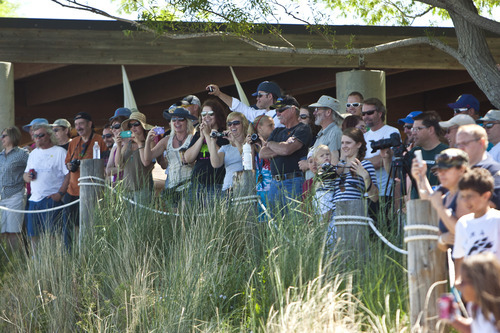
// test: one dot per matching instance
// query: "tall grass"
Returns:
(211, 269)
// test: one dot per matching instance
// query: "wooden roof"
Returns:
(62, 67)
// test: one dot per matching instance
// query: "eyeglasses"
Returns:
(174, 119)
(4, 135)
(136, 124)
(354, 105)
(408, 127)
(418, 128)
(116, 126)
(459, 110)
(235, 123)
(304, 116)
(107, 136)
(489, 125)
(320, 109)
(369, 112)
(259, 95)
(207, 113)
(465, 143)
(38, 136)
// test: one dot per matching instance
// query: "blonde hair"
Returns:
(190, 127)
(244, 121)
(318, 149)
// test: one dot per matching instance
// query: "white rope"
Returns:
(420, 238)
(354, 217)
(365, 224)
(245, 198)
(148, 208)
(421, 227)
(40, 210)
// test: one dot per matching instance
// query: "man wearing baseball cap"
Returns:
(466, 104)
(491, 123)
(80, 148)
(267, 94)
(407, 123)
(62, 129)
(451, 126)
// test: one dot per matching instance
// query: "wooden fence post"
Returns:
(426, 263)
(89, 194)
(352, 234)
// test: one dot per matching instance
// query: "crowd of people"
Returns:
(321, 152)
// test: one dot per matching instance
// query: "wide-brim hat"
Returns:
(492, 115)
(35, 121)
(178, 113)
(140, 117)
(458, 120)
(327, 102)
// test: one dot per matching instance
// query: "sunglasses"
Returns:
(408, 127)
(369, 113)
(136, 124)
(304, 116)
(259, 95)
(235, 123)
(207, 113)
(174, 119)
(38, 136)
(107, 136)
(458, 110)
(284, 108)
(354, 105)
(489, 125)
(116, 126)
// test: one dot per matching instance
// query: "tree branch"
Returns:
(469, 15)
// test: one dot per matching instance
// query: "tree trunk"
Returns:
(476, 55)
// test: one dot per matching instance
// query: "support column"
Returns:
(368, 83)
(7, 116)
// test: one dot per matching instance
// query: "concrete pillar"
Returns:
(368, 83)
(7, 116)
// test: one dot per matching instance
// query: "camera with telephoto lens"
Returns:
(328, 171)
(394, 142)
(216, 134)
(255, 138)
(74, 165)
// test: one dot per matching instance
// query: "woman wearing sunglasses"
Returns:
(207, 179)
(230, 155)
(137, 177)
(175, 145)
(111, 168)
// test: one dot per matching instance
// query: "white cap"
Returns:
(458, 120)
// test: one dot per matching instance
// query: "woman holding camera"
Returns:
(137, 177)
(230, 155)
(175, 144)
(356, 176)
(207, 179)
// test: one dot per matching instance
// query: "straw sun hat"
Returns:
(136, 116)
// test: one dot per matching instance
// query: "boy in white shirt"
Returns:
(478, 231)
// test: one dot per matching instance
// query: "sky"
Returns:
(49, 9)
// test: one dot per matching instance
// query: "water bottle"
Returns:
(97, 151)
(247, 157)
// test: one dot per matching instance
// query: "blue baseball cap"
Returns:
(125, 112)
(269, 87)
(465, 101)
(409, 118)
(35, 121)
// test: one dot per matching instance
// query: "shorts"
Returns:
(12, 222)
(44, 222)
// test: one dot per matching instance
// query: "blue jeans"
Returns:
(281, 192)
(44, 222)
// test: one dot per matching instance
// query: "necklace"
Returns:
(180, 141)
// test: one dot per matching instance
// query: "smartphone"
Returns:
(126, 134)
(158, 130)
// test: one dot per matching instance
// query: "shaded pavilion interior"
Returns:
(62, 67)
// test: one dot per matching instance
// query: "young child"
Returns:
(478, 231)
(307, 187)
(324, 182)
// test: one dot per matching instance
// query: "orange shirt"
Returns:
(75, 149)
